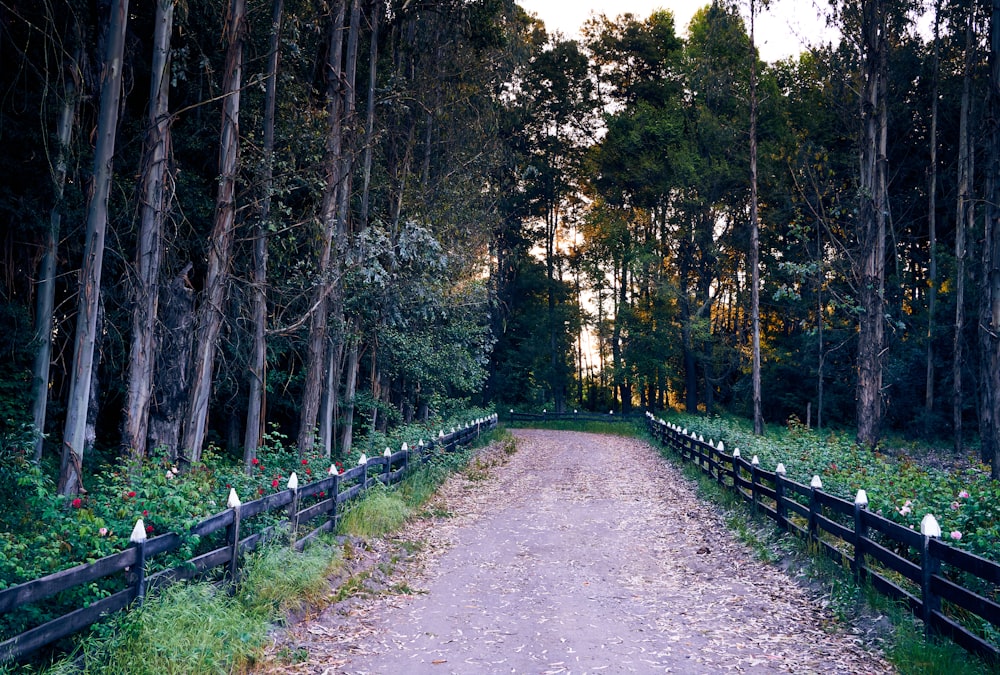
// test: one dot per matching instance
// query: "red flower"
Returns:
(304, 462)
(274, 483)
(145, 513)
(130, 494)
(149, 529)
(255, 461)
(228, 486)
(260, 491)
(321, 495)
(309, 472)
(77, 503)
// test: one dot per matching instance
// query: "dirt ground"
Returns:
(579, 553)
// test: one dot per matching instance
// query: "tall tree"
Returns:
(932, 181)
(211, 310)
(153, 211)
(317, 346)
(989, 324)
(88, 303)
(758, 417)
(46, 289)
(964, 214)
(254, 431)
(870, 266)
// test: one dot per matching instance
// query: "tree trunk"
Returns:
(369, 143)
(758, 418)
(350, 390)
(932, 281)
(153, 211)
(210, 313)
(871, 226)
(316, 351)
(173, 358)
(253, 435)
(989, 325)
(46, 290)
(93, 255)
(963, 221)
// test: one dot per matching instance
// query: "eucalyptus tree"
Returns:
(210, 313)
(989, 308)
(88, 304)
(154, 207)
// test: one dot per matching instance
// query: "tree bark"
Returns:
(45, 293)
(172, 374)
(932, 281)
(963, 222)
(154, 207)
(870, 273)
(253, 434)
(210, 312)
(93, 255)
(350, 391)
(758, 417)
(316, 350)
(989, 325)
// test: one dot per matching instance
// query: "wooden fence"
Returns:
(955, 592)
(314, 506)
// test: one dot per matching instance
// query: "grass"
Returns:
(626, 427)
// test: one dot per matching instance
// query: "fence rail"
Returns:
(953, 591)
(331, 493)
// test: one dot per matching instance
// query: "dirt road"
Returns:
(581, 554)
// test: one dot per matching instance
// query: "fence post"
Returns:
(929, 566)
(736, 469)
(754, 465)
(334, 492)
(363, 461)
(860, 532)
(816, 484)
(138, 539)
(779, 496)
(233, 535)
(293, 509)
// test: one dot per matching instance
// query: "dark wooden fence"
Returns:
(306, 512)
(955, 592)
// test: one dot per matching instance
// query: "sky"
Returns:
(781, 30)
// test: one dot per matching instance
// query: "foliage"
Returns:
(966, 503)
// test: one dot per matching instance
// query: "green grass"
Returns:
(611, 428)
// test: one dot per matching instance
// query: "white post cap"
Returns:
(333, 470)
(736, 453)
(755, 460)
(404, 447)
(387, 453)
(722, 446)
(234, 500)
(816, 482)
(293, 482)
(929, 527)
(780, 469)
(363, 459)
(138, 533)
(861, 499)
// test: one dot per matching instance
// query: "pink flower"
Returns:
(905, 511)
(956, 535)
(103, 532)
(77, 503)
(963, 494)
(955, 506)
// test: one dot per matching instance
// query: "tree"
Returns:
(989, 324)
(88, 304)
(154, 208)
(211, 310)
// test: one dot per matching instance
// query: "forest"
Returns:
(328, 218)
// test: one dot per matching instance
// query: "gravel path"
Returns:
(579, 554)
